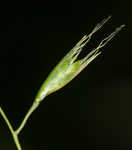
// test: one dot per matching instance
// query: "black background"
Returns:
(92, 112)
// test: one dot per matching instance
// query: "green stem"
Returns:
(31, 110)
(14, 135)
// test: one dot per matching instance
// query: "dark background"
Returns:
(94, 111)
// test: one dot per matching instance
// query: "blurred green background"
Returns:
(93, 111)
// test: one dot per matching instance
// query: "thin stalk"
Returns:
(30, 111)
(14, 135)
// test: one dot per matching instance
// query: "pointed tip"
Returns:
(110, 16)
(99, 25)
(106, 19)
